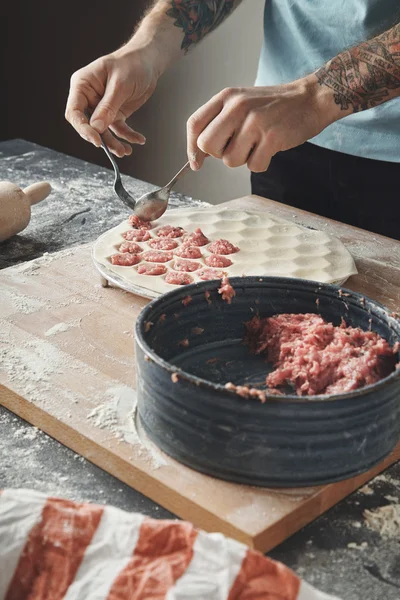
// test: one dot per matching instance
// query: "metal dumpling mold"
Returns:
(269, 246)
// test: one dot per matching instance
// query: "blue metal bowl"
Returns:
(289, 441)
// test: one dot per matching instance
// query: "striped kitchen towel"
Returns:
(53, 549)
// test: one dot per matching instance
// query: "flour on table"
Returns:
(117, 414)
(385, 520)
(61, 327)
(22, 303)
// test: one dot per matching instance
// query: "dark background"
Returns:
(41, 45)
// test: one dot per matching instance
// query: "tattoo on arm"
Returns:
(366, 75)
(198, 17)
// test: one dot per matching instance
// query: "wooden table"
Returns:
(319, 552)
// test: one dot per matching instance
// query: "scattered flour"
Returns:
(21, 303)
(32, 365)
(355, 546)
(60, 327)
(367, 490)
(118, 414)
(385, 520)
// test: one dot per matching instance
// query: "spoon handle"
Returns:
(178, 176)
(112, 160)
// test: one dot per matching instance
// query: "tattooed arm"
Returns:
(366, 75)
(250, 125)
(116, 85)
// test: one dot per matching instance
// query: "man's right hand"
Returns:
(110, 89)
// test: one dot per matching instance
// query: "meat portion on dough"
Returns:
(137, 235)
(152, 269)
(188, 251)
(138, 223)
(209, 274)
(187, 266)
(125, 260)
(197, 238)
(163, 244)
(130, 247)
(217, 261)
(157, 257)
(178, 278)
(223, 247)
(170, 232)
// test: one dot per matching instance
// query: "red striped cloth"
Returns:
(53, 549)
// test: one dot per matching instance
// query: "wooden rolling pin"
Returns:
(15, 206)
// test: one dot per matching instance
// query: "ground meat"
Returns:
(151, 269)
(178, 278)
(316, 357)
(223, 247)
(184, 343)
(137, 235)
(247, 392)
(174, 378)
(187, 300)
(148, 325)
(163, 244)
(138, 223)
(170, 232)
(187, 251)
(197, 330)
(208, 274)
(226, 290)
(125, 260)
(197, 238)
(130, 247)
(214, 260)
(207, 296)
(187, 266)
(157, 257)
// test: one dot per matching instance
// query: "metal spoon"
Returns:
(153, 204)
(119, 189)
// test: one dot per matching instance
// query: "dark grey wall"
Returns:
(41, 45)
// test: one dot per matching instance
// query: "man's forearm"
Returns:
(172, 27)
(364, 76)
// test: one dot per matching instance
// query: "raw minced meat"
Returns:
(131, 247)
(163, 244)
(187, 266)
(138, 223)
(223, 247)
(317, 357)
(226, 290)
(217, 261)
(157, 257)
(187, 300)
(197, 238)
(178, 278)
(188, 251)
(209, 274)
(170, 232)
(152, 269)
(137, 235)
(125, 260)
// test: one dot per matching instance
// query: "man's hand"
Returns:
(249, 125)
(112, 88)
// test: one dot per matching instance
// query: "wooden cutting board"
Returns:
(67, 367)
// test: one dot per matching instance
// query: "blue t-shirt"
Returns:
(302, 35)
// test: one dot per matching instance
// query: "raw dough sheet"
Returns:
(268, 246)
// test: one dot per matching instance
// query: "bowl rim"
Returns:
(213, 285)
